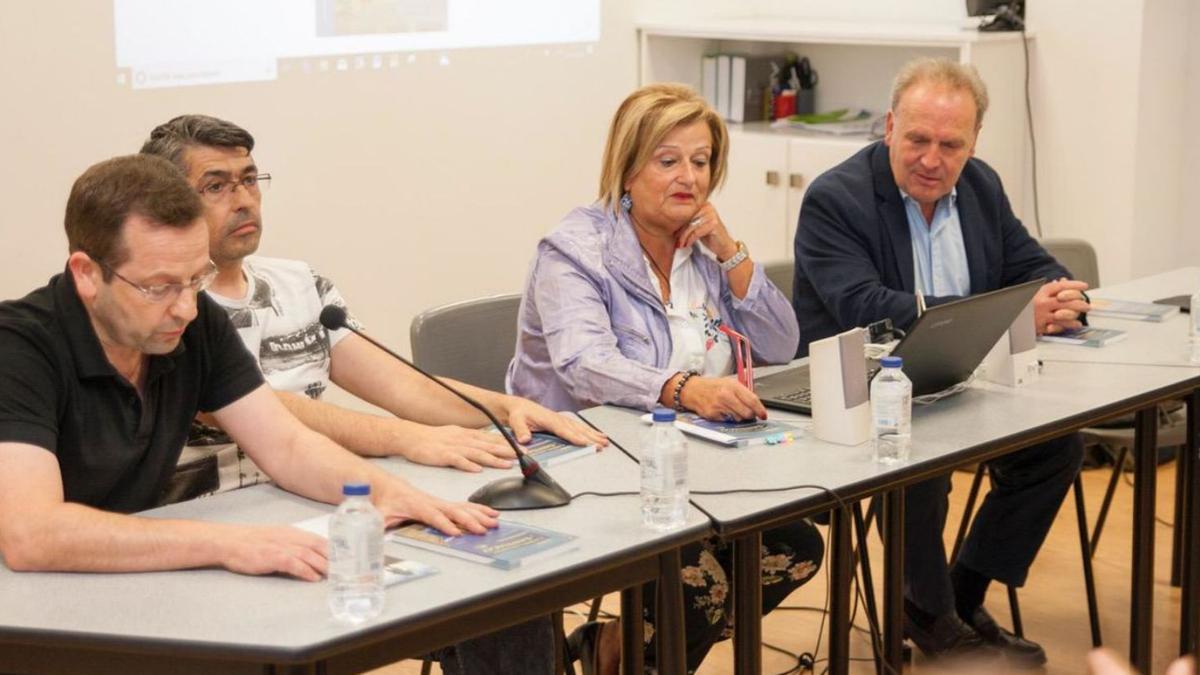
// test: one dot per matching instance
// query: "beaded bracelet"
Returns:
(687, 375)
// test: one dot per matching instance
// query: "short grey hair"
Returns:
(960, 76)
(170, 139)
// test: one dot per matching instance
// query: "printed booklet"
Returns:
(507, 546)
(735, 434)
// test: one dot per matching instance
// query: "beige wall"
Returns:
(409, 188)
(432, 183)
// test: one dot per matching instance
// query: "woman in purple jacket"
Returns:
(624, 304)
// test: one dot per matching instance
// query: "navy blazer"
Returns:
(853, 250)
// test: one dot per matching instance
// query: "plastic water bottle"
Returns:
(1194, 323)
(356, 557)
(891, 411)
(664, 473)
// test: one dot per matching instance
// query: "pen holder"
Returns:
(806, 101)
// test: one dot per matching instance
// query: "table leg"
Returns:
(1141, 610)
(1189, 622)
(840, 578)
(868, 584)
(672, 646)
(893, 580)
(747, 604)
(633, 642)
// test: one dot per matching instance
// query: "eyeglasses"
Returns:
(157, 293)
(221, 190)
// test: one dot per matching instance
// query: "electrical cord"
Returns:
(1037, 215)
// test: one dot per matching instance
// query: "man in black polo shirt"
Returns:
(101, 373)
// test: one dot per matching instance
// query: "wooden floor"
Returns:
(1053, 604)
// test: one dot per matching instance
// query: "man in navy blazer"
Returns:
(916, 212)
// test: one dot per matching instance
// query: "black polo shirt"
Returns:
(58, 391)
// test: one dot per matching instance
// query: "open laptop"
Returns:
(942, 348)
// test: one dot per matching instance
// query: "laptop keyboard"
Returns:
(803, 397)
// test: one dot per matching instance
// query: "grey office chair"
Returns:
(781, 273)
(1076, 255)
(473, 342)
(470, 341)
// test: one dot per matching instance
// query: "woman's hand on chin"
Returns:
(707, 227)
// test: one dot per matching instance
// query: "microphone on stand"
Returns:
(534, 489)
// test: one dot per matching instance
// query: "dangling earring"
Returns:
(626, 201)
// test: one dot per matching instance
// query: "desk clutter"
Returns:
(756, 88)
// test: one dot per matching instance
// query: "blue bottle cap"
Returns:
(356, 489)
(891, 362)
(664, 415)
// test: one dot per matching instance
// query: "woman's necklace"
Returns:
(658, 271)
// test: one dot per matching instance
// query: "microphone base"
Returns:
(517, 493)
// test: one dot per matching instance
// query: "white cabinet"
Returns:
(769, 169)
(768, 173)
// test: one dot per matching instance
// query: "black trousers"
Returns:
(1009, 527)
(791, 555)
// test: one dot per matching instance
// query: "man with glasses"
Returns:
(275, 304)
(101, 373)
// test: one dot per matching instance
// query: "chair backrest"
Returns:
(781, 273)
(1076, 255)
(470, 341)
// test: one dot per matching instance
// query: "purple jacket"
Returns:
(592, 328)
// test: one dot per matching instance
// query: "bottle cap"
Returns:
(891, 362)
(664, 415)
(356, 489)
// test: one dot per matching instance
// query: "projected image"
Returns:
(364, 17)
(174, 44)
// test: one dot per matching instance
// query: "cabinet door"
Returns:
(753, 201)
(808, 158)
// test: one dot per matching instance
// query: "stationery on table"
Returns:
(1088, 336)
(396, 570)
(742, 357)
(735, 434)
(549, 449)
(508, 546)
(1128, 309)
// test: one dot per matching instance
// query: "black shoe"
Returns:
(1020, 652)
(946, 636)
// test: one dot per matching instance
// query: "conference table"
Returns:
(199, 620)
(211, 620)
(984, 422)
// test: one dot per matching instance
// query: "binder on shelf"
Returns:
(708, 80)
(750, 80)
(723, 75)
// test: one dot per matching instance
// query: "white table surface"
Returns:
(952, 430)
(246, 615)
(1147, 343)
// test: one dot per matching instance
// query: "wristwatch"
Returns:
(737, 258)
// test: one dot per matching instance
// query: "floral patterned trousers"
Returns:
(791, 555)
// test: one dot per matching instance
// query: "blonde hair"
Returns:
(959, 76)
(641, 123)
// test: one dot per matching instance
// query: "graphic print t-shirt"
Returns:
(279, 321)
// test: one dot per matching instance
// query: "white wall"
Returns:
(1085, 71)
(1113, 86)
(432, 183)
(410, 188)
(1188, 138)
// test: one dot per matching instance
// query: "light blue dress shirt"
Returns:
(939, 255)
